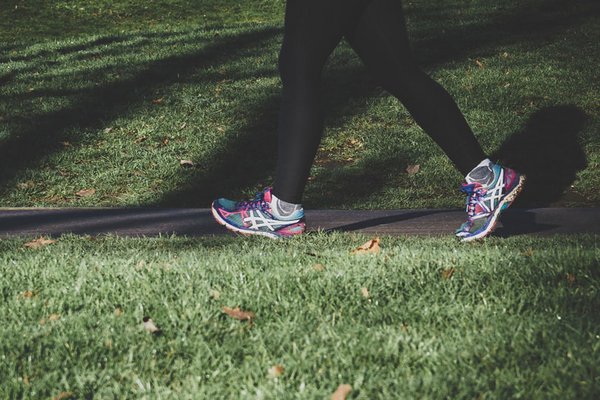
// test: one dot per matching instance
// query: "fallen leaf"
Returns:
(27, 294)
(140, 139)
(63, 396)
(447, 273)
(54, 317)
(158, 101)
(571, 279)
(413, 169)
(341, 392)
(528, 252)
(118, 311)
(86, 192)
(372, 246)
(186, 163)
(150, 326)
(108, 130)
(319, 267)
(214, 294)
(165, 141)
(26, 185)
(365, 292)
(26, 380)
(39, 242)
(276, 371)
(238, 314)
(479, 64)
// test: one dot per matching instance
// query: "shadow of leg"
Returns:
(548, 152)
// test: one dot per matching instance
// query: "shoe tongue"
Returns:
(470, 187)
(267, 195)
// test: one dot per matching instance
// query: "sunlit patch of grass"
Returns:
(502, 318)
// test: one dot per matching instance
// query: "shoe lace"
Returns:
(474, 198)
(258, 203)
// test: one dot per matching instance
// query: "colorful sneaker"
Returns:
(255, 217)
(486, 202)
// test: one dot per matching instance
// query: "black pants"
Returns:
(376, 30)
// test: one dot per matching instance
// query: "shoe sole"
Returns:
(504, 204)
(243, 232)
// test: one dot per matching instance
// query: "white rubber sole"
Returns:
(510, 197)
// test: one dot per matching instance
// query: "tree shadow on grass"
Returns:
(34, 137)
(548, 152)
(248, 159)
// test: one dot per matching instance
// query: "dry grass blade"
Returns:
(238, 314)
(448, 273)
(341, 392)
(186, 163)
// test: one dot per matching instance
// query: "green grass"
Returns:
(111, 95)
(518, 318)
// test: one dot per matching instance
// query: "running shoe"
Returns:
(256, 217)
(486, 202)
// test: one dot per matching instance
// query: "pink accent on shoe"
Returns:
(267, 195)
(510, 176)
(292, 230)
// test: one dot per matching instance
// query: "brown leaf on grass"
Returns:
(150, 326)
(239, 314)
(341, 392)
(28, 294)
(186, 163)
(528, 252)
(479, 64)
(571, 279)
(86, 193)
(365, 292)
(39, 242)
(448, 273)
(140, 139)
(165, 140)
(26, 185)
(372, 246)
(64, 396)
(319, 267)
(413, 169)
(276, 371)
(118, 311)
(158, 101)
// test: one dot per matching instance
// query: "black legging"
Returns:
(377, 32)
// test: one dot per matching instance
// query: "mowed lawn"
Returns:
(101, 101)
(423, 318)
(109, 97)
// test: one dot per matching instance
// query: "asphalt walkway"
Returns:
(199, 222)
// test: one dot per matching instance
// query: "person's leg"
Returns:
(313, 28)
(380, 38)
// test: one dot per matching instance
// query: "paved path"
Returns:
(199, 222)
